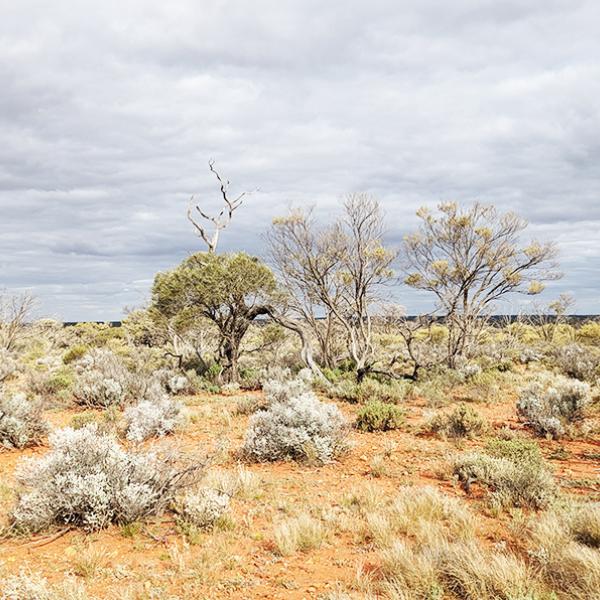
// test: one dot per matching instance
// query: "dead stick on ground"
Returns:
(49, 540)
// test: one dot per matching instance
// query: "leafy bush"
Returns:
(550, 404)
(87, 480)
(203, 508)
(514, 475)
(49, 383)
(463, 421)
(379, 416)
(301, 428)
(21, 421)
(74, 353)
(578, 361)
(153, 418)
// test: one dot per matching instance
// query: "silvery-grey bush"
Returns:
(88, 480)
(203, 508)
(578, 361)
(551, 403)
(30, 586)
(151, 418)
(282, 389)
(299, 428)
(21, 421)
(102, 380)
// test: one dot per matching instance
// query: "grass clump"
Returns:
(302, 534)
(379, 416)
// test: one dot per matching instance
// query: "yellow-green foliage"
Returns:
(379, 416)
(589, 332)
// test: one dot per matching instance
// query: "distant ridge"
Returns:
(492, 318)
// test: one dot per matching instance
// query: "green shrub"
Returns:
(379, 416)
(368, 390)
(463, 421)
(74, 353)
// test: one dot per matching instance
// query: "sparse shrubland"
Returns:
(244, 357)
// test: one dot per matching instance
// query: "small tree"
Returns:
(338, 270)
(470, 259)
(230, 290)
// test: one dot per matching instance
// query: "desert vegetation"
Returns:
(276, 427)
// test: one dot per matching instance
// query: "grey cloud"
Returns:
(109, 113)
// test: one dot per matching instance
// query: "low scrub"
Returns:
(203, 508)
(87, 480)
(302, 428)
(151, 418)
(379, 416)
(514, 474)
(29, 586)
(579, 362)
(552, 405)
(282, 387)
(368, 390)
(21, 421)
(462, 422)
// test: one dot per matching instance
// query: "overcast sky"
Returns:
(109, 112)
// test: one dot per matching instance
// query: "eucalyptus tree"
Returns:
(229, 290)
(338, 270)
(470, 259)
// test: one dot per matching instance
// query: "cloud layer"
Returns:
(109, 112)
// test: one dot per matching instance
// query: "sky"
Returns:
(110, 111)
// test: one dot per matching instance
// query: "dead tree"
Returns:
(222, 220)
(15, 311)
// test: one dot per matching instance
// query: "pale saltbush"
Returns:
(204, 507)
(529, 355)
(282, 390)
(153, 418)
(469, 371)
(21, 422)
(552, 403)
(577, 361)
(300, 428)
(102, 379)
(29, 586)
(88, 480)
